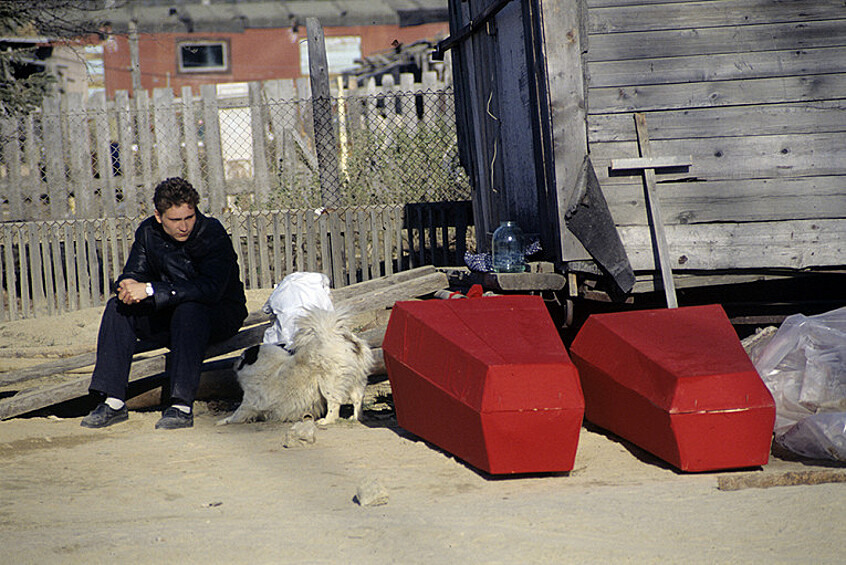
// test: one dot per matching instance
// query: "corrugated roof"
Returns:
(155, 16)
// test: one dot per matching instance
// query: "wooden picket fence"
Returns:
(85, 158)
(51, 267)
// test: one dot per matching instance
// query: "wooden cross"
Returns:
(648, 164)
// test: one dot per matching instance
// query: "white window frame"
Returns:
(203, 43)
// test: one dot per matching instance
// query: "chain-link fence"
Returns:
(249, 151)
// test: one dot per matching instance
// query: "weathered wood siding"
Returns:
(753, 90)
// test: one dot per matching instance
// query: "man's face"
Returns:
(178, 221)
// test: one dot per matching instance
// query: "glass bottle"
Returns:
(507, 248)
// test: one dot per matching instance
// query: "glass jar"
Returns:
(507, 248)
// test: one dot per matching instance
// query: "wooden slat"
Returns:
(640, 163)
(325, 251)
(276, 247)
(249, 232)
(349, 243)
(235, 227)
(32, 151)
(736, 200)
(57, 267)
(375, 247)
(398, 215)
(786, 244)
(289, 244)
(44, 244)
(167, 135)
(213, 149)
(715, 40)
(776, 119)
(388, 233)
(264, 258)
(719, 93)
(51, 125)
(11, 278)
(311, 241)
(126, 139)
(111, 229)
(9, 128)
(101, 242)
(258, 127)
(71, 251)
(4, 315)
(39, 300)
(78, 142)
(765, 156)
(23, 265)
(337, 250)
(102, 134)
(362, 245)
(145, 143)
(192, 153)
(728, 66)
(708, 13)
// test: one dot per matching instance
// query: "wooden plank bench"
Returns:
(374, 294)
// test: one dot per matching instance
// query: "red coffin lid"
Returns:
(492, 353)
(683, 360)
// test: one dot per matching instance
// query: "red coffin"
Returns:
(678, 384)
(486, 379)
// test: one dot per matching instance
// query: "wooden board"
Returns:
(759, 245)
(375, 294)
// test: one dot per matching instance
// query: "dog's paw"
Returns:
(323, 422)
(223, 421)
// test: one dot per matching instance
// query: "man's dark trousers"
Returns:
(185, 329)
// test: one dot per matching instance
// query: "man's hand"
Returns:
(131, 291)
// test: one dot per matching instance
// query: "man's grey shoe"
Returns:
(174, 418)
(104, 415)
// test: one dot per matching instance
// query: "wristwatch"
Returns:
(149, 289)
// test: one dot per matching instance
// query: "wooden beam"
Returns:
(649, 162)
(375, 294)
(656, 221)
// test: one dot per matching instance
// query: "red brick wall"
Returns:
(256, 54)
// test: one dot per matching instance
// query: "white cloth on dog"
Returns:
(290, 299)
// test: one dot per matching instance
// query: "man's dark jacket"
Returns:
(204, 268)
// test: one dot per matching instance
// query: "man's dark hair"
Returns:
(175, 191)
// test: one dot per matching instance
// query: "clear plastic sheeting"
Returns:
(290, 299)
(804, 366)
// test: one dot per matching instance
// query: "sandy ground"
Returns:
(234, 494)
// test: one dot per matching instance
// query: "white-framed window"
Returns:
(202, 56)
(341, 53)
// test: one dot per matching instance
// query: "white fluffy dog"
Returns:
(328, 367)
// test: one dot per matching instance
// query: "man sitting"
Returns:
(180, 289)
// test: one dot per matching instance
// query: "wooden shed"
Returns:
(747, 98)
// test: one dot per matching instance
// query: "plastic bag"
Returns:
(290, 299)
(804, 366)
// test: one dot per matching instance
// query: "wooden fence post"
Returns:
(12, 159)
(105, 170)
(126, 155)
(192, 154)
(261, 180)
(54, 157)
(325, 139)
(214, 154)
(166, 130)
